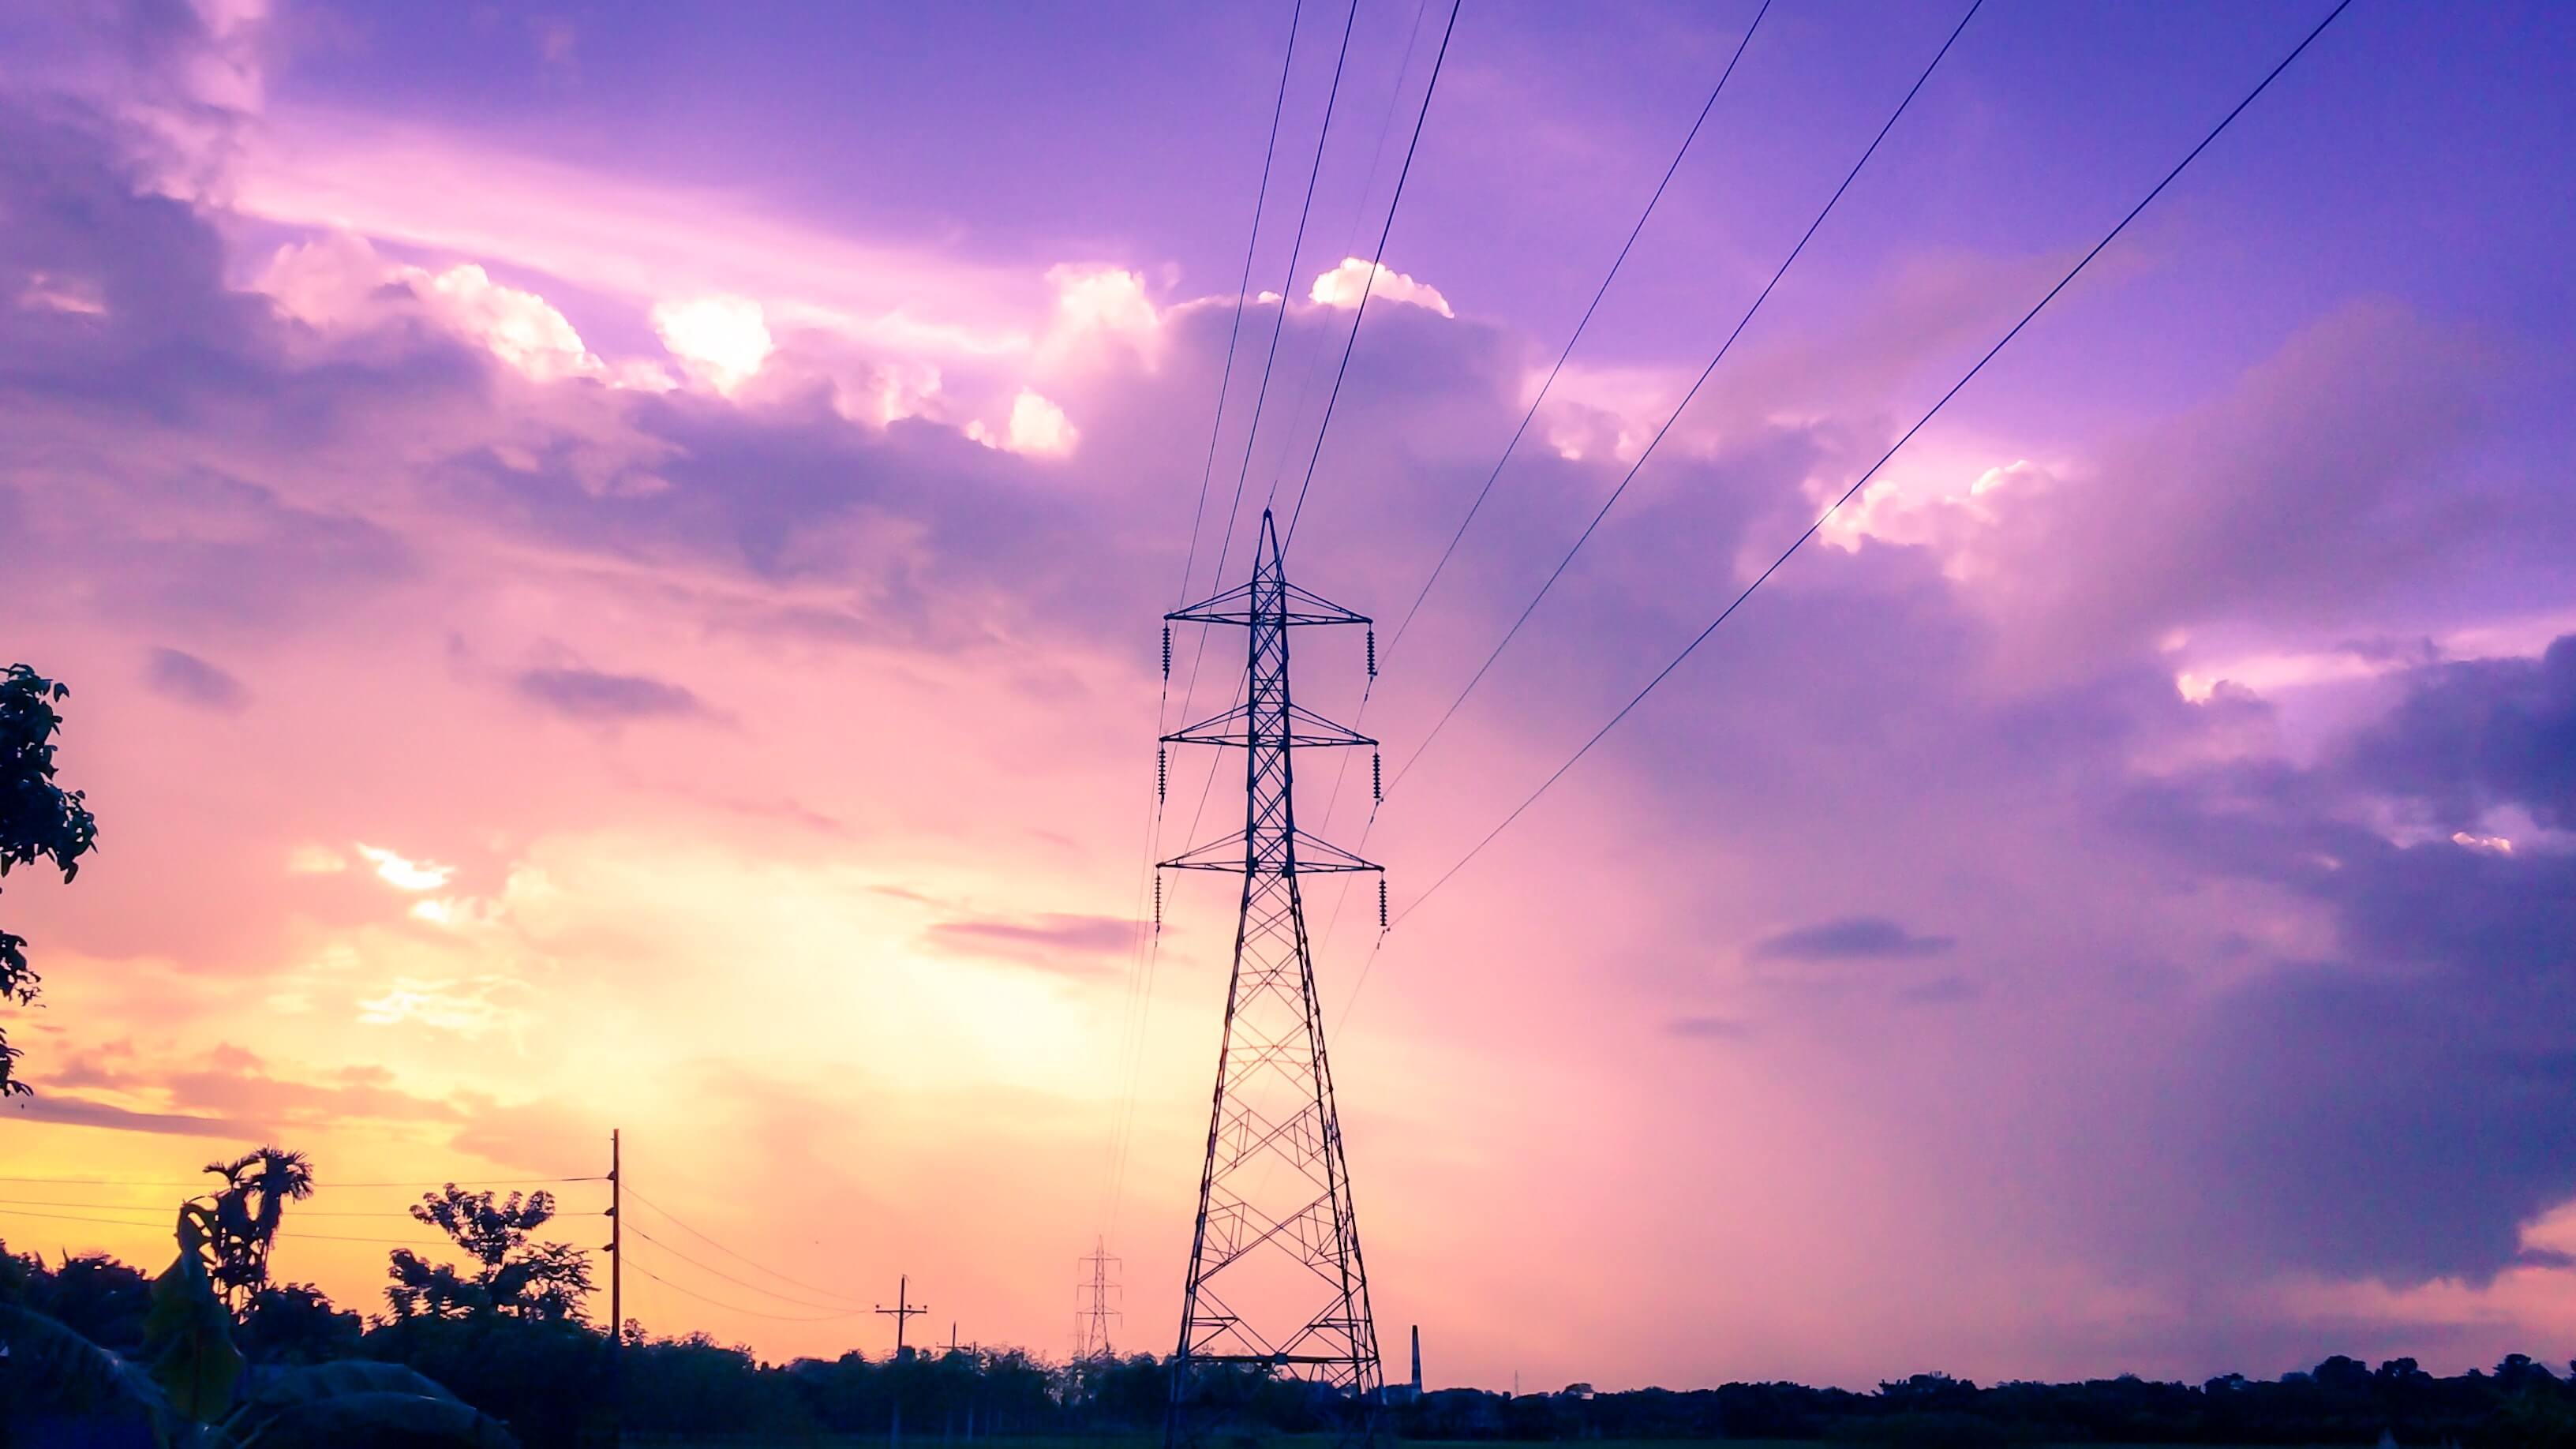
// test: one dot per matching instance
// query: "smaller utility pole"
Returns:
(616, 1296)
(903, 1308)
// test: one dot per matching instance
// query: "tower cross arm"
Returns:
(1235, 727)
(1313, 857)
(1287, 604)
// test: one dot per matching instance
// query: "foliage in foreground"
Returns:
(39, 820)
(182, 1383)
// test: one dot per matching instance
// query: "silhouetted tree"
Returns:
(543, 1281)
(39, 820)
(240, 1220)
(297, 1324)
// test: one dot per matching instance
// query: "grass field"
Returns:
(1154, 1441)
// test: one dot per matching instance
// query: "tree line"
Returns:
(498, 1347)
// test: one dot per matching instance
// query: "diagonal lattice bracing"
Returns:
(1276, 1289)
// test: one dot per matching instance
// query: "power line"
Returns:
(1260, 200)
(1341, 772)
(738, 1308)
(721, 1273)
(721, 1248)
(1278, 324)
(151, 1225)
(1323, 133)
(1377, 260)
(1287, 287)
(1586, 321)
(201, 1182)
(1649, 451)
(136, 1207)
(1872, 471)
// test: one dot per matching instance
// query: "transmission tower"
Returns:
(1276, 1289)
(1096, 1297)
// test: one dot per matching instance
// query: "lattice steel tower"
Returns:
(1276, 1288)
(1097, 1299)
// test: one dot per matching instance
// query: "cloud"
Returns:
(722, 341)
(224, 1091)
(404, 874)
(2326, 475)
(2353, 1096)
(190, 680)
(1342, 286)
(647, 241)
(1036, 426)
(1849, 938)
(1068, 943)
(2473, 736)
(1096, 306)
(338, 283)
(78, 1111)
(594, 696)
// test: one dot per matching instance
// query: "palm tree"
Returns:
(241, 1219)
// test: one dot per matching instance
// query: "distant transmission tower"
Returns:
(1097, 1297)
(1276, 1289)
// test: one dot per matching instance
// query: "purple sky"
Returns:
(609, 567)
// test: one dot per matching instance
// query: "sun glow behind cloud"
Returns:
(722, 340)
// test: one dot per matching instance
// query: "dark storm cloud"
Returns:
(1849, 938)
(190, 680)
(2396, 1110)
(593, 696)
(2479, 734)
(109, 291)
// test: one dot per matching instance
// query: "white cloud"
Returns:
(1100, 305)
(521, 328)
(1112, 298)
(337, 282)
(1036, 426)
(721, 340)
(1342, 286)
(405, 874)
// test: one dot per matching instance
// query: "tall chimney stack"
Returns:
(1417, 1361)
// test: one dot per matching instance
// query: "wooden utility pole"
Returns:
(616, 1295)
(903, 1308)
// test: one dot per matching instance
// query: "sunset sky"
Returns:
(609, 563)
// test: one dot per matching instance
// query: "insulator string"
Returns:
(1167, 654)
